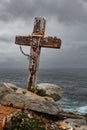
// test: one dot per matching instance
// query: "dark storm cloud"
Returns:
(13, 9)
(65, 18)
(66, 11)
(72, 11)
(71, 56)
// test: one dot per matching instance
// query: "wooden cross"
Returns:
(36, 40)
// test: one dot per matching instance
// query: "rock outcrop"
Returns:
(6, 113)
(51, 90)
(35, 107)
(11, 95)
(66, 121)
(72, 124)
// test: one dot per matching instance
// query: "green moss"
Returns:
(72, 113)
(40, 92)
(33, 90)
(24, 123)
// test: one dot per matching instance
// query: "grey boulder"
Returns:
(11, 95)
(50, 90)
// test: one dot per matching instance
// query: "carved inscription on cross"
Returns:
(36, 40)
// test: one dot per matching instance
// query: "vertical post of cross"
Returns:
(37, 35)
(36, 40)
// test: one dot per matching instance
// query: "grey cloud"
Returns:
(69, 16)
(5, 39)
(17, 9)
(85, 0)
(74, 56)
(72, 11)
(66, 11)
(12, 61)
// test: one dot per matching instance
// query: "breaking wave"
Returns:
(82, 110)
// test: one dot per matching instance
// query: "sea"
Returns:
(73, 83)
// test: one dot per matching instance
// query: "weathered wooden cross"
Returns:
(36, 40)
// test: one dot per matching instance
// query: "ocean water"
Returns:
(72, 81)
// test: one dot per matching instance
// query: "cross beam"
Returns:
(48, 42)
(36, 40)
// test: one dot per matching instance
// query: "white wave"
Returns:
(82, 109)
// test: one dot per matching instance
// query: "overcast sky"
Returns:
(66, 19)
